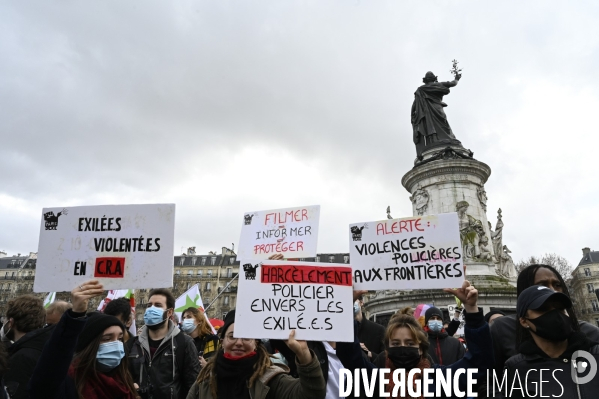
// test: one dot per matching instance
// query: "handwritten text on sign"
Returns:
(276, 297)
(124, 246)
(292, 232)
(414, 253)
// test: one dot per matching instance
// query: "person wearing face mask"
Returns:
(548, 337)
(504, 328)
(196, 326)
(85, 357)
(243, 369)
(162, 360)
(443, 349)
(407, 345)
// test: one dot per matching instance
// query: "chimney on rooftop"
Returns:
(585, 251)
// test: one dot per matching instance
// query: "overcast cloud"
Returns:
(224, 107)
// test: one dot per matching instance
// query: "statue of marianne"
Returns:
(429, 121)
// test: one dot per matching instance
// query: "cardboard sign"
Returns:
(404, 254)
(276, 297)
(292, 232)
(122, 246)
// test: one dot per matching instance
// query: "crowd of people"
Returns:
(68, 351)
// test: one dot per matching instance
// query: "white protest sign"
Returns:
(412, 253)
(292, 232)
(315, 299)
(122, 246)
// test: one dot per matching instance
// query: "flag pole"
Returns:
(224, 288)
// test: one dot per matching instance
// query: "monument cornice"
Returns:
(453, 167)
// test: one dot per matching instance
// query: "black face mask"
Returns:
(405, 357)
(553, 325)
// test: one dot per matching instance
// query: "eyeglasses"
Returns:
(230, 338)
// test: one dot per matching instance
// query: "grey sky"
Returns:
(225, 107)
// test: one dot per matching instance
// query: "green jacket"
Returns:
(276, 383)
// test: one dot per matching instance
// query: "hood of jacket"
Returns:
(35, 339)
(173, 330)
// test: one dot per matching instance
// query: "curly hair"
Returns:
(209, 372)
(28, 313)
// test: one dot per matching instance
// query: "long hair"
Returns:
(202, 326)
(209, 370)
(84, 365)
(404, 320)
(526, 279)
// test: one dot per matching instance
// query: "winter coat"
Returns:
(504, 338)
(372, 335)
(23, 356)
(444, 349)
(276, 383)
(165, 376)
(555, 379)
(479, 355)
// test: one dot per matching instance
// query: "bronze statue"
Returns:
(429, 121)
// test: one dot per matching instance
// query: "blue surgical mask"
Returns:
(154, 316)
(435, 325)
(188, 326)
(109, 355)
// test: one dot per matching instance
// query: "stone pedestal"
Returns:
(441, 181)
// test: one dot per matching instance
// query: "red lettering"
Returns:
(110, 267)
(301, 274)
(304, 214)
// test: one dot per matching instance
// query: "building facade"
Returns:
(585, 280)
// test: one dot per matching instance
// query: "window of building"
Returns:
(595, 305)
(229, 272)
(590, 288)
(209, 272)
(587, 272)
(200, 273)
(226, 300)
(6, 275)
(178, 272)
(208, 285)
(231, 260)
(203, 261)
(189, 272)
(597, 322)
(188, 285)
(181, 260)
(194, 260)
(213, 260)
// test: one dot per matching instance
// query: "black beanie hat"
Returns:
(491, 313)
(430, 312)
(229, 319)
(95, 325)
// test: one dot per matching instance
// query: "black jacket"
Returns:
(556, 376)
(444, 349)
(23, 356)
(372, 335)
(50, 378)
(173, 369)
(503, 332)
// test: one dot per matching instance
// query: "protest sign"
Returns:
(403, 254)
(122, 246)
(192, 298)
(276, 297)
(292, 232)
